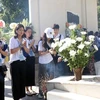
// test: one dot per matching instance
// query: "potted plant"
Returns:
(76, 50)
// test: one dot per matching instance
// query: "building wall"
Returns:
(44, 13)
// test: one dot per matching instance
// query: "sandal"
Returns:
(28, 93)
(33, 92)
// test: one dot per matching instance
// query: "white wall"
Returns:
(44, 13)
(55, 11)
(91, 9)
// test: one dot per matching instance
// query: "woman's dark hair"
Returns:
(27, 28)
(44, 40)
(17, 28)
(56, 26)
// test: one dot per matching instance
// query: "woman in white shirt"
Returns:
(30, 61)
(3, 54)
(17, 62)
(46, 64)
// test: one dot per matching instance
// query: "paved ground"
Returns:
(8, 94)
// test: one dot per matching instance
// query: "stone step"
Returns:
(63, 95)
(82, 87)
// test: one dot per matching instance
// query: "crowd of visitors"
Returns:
(22, 60)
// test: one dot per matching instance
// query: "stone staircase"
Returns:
(63, 88)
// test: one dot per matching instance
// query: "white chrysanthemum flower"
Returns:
(13, 25)
(67, 44)
(54, 45)
(86, 54)
(91, 38)
(61, 49)
(67, 39)
(73, 41)
(60, 44)
(95, 47)
(87, 43)
(81, 46)
(65, 60)
(79, 39)
(57, 39)
(83, 33)
(72, 27)
(72, 53)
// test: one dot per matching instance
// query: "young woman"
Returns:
(46, 64)
(30, 61)
(3, 54)
(17, 62)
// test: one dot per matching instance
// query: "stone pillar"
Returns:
(83, 13)
(91, 10)
(34, 17)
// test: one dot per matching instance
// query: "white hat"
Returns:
(49, 32)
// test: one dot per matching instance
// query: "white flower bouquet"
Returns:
(76, 50)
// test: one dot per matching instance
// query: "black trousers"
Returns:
(18, 71)
(1, 85)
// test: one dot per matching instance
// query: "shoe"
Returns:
(28, 93)
(40, 96)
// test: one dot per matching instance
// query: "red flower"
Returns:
(2, 24)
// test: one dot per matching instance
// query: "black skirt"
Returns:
(30, 71)
(18, 72)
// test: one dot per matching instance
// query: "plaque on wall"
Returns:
(72, 18)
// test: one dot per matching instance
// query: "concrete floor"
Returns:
(8, 93)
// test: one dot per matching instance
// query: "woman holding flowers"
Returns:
(46, 64)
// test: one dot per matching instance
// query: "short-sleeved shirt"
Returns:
(28, 42)
(59, 36)
(44, 59)
(14, 43)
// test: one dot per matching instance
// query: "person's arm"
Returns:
(12, 51)
(4, 53)
(40, 49)
(43, 52)
(25, 47)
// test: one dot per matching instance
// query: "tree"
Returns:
(14, 10)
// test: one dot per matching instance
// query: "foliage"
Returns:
(13, 10)
(7, 32)
(76, 49)
(26, 23)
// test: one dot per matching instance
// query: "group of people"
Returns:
(22, 61)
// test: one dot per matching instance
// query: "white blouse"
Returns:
(14, 43)
(44, 59)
